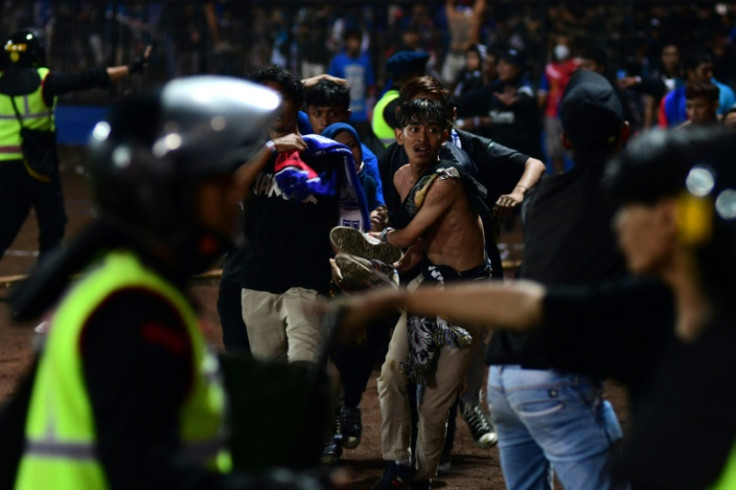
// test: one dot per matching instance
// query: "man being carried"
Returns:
(440, 224)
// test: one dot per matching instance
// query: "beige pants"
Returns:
(439, 395)
(279, 327)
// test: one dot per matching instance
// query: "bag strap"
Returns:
(17, 113)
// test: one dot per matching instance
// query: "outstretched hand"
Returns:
(141, 62)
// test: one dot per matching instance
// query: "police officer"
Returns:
(126, 394)
(28, 94)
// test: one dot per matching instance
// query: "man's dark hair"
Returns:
(328, 93)
(591, 113)
(655, 165)
(291, 85)
(422, 111)
(700, 89)
(694, 57)
(429, 88)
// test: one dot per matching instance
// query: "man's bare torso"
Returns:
(455, 238)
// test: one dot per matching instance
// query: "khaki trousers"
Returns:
(439, 395)
(279, 327)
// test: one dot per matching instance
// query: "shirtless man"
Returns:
(441, 228)
(464, 25)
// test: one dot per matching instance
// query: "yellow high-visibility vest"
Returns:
(34, 112)
(60, 446)
(383, 131)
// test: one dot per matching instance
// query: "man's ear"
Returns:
(399, 136)
(566, 143)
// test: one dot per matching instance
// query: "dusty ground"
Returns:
(473, 468)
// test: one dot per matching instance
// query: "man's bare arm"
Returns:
(516, 306)
(246, 174)
(440, 197)
(533, 170)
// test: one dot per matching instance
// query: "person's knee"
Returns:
(392, 376)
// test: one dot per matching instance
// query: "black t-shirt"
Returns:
(288, 241)
(568, 242)
(517, 125)
(682, 394)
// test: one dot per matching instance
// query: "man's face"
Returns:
(287, 119)
(322, 116)
(670, 57)
(646, 235)
(421, 142)
(490, 72)
(352, 46)
(349, 140)
(702, 73)
(507, 71)
(700, 110)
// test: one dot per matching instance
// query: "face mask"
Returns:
(561, 52)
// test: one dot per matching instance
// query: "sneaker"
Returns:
(354, 242)
(480, 426)
(394, 476)
(358, 272)
(351, 427)
(331, 452)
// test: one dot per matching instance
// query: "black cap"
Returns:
(514, 56)
(590, 110)
(405, 62)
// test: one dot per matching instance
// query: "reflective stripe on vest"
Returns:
(60, 449)
(34, 112)
(381, 128)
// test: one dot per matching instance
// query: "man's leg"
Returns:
(305, 339)
(522, 460)
(264, 322)
(48, 202)
(234, 333)
(16, 202)
(393, 398)
(440, 393)
(568, 419)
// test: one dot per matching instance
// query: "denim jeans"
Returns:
(548, 417)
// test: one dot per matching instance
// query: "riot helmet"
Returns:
(147, 158)
(26, 48)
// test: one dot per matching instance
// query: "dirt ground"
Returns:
(472, 467)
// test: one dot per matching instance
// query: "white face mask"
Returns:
(561, 52)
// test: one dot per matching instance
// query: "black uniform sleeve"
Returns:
(499, 167)
(138, 370)
(615, 329)
(57, 84)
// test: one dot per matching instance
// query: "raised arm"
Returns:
(533, 170)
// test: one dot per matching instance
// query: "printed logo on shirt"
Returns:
(266, 185)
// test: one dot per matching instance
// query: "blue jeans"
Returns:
(551, 417)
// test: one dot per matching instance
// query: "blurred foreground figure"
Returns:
(668, 334)
(126, 393)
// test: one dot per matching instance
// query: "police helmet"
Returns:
(146, 159)
(26, 48)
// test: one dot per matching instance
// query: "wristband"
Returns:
(271, 146)
(385, 232)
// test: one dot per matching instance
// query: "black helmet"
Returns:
(26, 48)
(147, 158)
